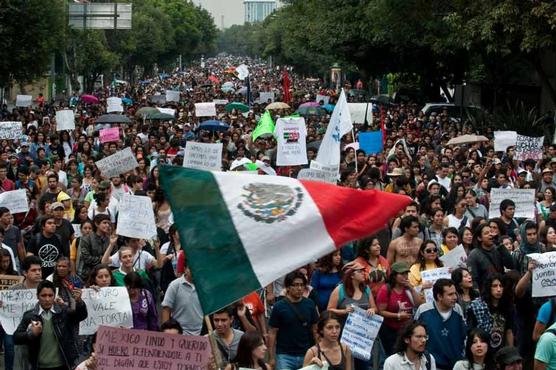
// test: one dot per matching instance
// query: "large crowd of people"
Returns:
(483, 317)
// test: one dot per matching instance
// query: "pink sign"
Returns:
(140, 349)
(109, 134)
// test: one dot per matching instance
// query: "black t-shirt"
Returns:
(65, 231)
(48, 250)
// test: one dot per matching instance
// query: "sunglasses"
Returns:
(431, 250)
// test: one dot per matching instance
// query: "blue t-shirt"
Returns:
(545, 312)
(324, 283)
(295, 335)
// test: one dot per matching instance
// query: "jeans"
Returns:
(288, 362)
(8, 349)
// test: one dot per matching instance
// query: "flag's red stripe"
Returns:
(351, 214)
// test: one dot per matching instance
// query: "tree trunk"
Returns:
(544, 79)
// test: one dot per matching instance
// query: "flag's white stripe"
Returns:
(280, 247)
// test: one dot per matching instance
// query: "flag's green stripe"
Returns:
(220, 267)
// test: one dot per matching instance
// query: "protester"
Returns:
(250, 353)
(477, 354)
(410, 351)
(227, 338)
(326, 277)
(143, 305)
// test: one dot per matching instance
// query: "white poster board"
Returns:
(136, 217)
(357, 112)
(10, 130)
(23, 101)
(431, 276)
(265, 96)
(455, 258)
(360, 332)
(14, 305)
(504, 139)
(118, 163)
(108, 306)
(15, 201)
(169, 111)
(544, 274)
(205, 109)
(203, 156)
(324, 98)
(114, 104)
(65, 120)
(220, 101)
(317, 175)
(172, 95)
(527, 147)
(524, 201)
(242, 71)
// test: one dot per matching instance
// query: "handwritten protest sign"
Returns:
(455, 258)
(123, 349)
(524, 201)
(504, 139)
(172, 96)
(14, 305)
(527, 147)
(323, 98)
(203, 156)
(136, 217)
(544, 274)
(109, 134)
(169, 111)
(316, 175)
(6, 281)
(265, 96)
(114, 104)
(108, 306)
(360, 332)
(358, 110)
(430, 276)
(10, 130)
(23, 100)
(65, 120)
(205, 109)
(15, 201)
(220, 101)
(117, 163)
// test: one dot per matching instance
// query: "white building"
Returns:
(258, 10)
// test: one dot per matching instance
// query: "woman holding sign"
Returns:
(427, 260)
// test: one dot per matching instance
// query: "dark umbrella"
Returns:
(158, 99)
(113, 118)
(213, 125)
(311, 111)
(158, 116)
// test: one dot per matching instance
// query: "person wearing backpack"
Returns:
(410, 350)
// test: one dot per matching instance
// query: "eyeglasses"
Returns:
(421, 337)
(431, 250)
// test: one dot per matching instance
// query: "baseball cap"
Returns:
(496, 161)
(57, 205)
(104, 184)
(400, 267)
(508, 355)
(352, 266)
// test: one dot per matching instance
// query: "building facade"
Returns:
(258, 10)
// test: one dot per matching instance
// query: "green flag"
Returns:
(265, 126)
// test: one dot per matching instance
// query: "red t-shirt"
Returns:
(397, 302)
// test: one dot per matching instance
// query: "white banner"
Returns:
(118, 163)
(242, 71)
(324, 98)
(504, 139)
(205, 109)
(317, 175)
(265, 96)
(455, 258)
(203, 156)
(430, 276)
(220, 101)
(10, 130)
(114, 104)
(527, 147)
(360, 332)
(23, 101)
(358, 110)
(169, 111)
(172, 96)
(136, 217)
(524, 200)
(65, 120)
(108, 306)
(14, 305)
(544, 274)
(15, 201)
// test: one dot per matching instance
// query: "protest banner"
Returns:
(325, 99)
(65, 120)
(524, 201)
(371, 142)
(7, 281)
(544, 274)
(360, 332)
(455, 258)
(220, 101)
(15, 201)
(205, 109)
(430, 276)
(203, 156)
(317, 175)
(136, 217)
(23, 101)
(172, 96)
(169, 111)
(114, 104)
(117, 163)
(242, 71)
(10, 130)
(109, 134)
(527, 147)
(76, 230)
(265, 96)
(358, 110)
(106, 307)
(14, 305)
(504, 139)
(123, 349)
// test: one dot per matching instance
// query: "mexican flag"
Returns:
(242, 232)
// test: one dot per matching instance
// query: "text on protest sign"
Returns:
(172, 96)
(359, 110)
(23, 100)
(140, 349)
(504, 139)
(527, 147)
(205, 109)
(106, 307)
(109, 134)
(15, 201)
(170, 111)
(136, 217)
(265, 96)
(203, 156)
(7, 281)
(455, 258)
(317, 175)
(14, 305)
(430, 276)
(220, 101)
(118, 163)
(360, 332)
(65, 120)
(544, 274)
(524, 201)
(10, 130)
(114, 104)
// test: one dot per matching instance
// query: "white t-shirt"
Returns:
(290, 134)
(141, 260)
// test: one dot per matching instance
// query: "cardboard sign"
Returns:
(123, 349)
(14, 305)
(108, 306)
(265, 96)
(7, 281)
(118, 163)
(136, 217)
(544, 274)
(172, 96)
(527, 147)
(203, 156)
(65, 120)
(114, 104)
(524, 201)
(109, 134)
(10, 130)
(15, 201)
(358, 111)
(23, 101)
(504, 139)
(205, 109)
(360, 332)
(455, 258)
(430, 276)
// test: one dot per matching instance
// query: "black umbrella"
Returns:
(113, 118)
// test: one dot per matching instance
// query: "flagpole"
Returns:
(213, 344)
(353, 138)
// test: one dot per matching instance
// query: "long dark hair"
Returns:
(326, 263)
(244, 358)
(405, 333)
(505, 303)
(10, 270)
(421, 257)
(457, 278)
(93, 275)
(485, 338)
